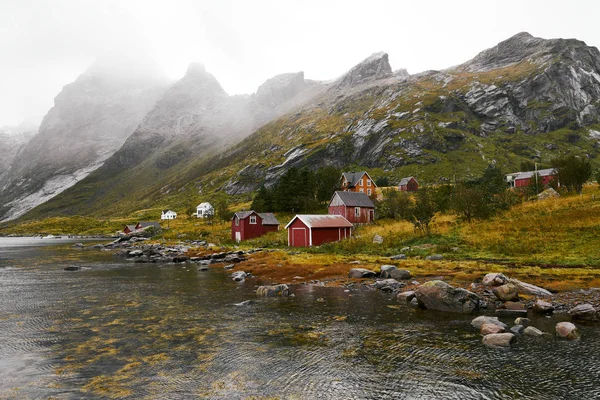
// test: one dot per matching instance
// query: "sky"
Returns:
(45, 45)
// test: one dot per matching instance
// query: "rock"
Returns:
(98, 246)
(273, 291)
(549, 193)
(435, 257)
(527, 288)
(180, 259)
(406, 297)
(542, 307)
(233, 258)
(387, 284)
(488, 329)
(438, 295)
(532, 331)
(239, 276)
(566, 330)
(499, 339)
(494, 279)
(230, 266)
(390, 271)
(522, 321)
(72, 268)
(517, 329)
(507, 292)
(513, 305)
(361, 273)
(378, 239)
(404, 249)
(135, 253)
(80, 245)
(398, 257)
(584, 312)
(203, 268)
(483, 319)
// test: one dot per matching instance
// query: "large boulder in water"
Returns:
(478, 322)
(584, 312)
(273, 291)
(499, 339)
(566, 330)
(391, 271)
(506, 292)
(438, 295)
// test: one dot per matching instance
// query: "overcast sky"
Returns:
(47, 44)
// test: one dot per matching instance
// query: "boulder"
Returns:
(516, 329)
(584, 312)
(135, 253)
(499, 339)
(542, 307)
(494, 279)
(435, 257)
(203, 268)
(405, 297)
(566, 330)
(239, 276)
(387, 284)
(527, 288)
(438, 295)
(80, 245)
(390, 271)
(488, 329)
(72, 268)
(532, 331)
(506, 292)
(180, 259)
(378, 239)
(361, 273)
(522, 321)
(478, 322)
(273, 291)
(398, 257)
(230, 266)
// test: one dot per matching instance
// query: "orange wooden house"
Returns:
(358, 182)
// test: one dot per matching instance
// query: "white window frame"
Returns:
(237, 221)
(357, 211)
(368, 182)
(369, 192)
(361, 190)
(253, 219)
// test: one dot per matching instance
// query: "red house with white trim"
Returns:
(408, 184)
(315, 230)
(356, 207)
(250, 224)
(524, 179)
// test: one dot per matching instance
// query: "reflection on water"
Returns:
(114, 330)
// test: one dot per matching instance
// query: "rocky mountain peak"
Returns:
(374, 67)
(280, 88)
(197, 79)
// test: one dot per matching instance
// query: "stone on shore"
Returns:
(584, 312)
(378, 239)
(484, 319)
(361, 273)
(435, 257)
(499, 339)
(567, 330)
(239, 276)
(398, 257)
(273, 291)
(488, 329)
(387, 285)
(522, 321)
(542, 307)
(532, 331)
(440, 296)
(527, 288)
(507, 292)
(516, 329)
(406, 297)
(391, 271)
(494, 279)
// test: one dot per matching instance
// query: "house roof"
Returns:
(353, 177)
(322, 221)
(354, 199)
(204, 205)
(541, 172)
(405, 181)
(166, 211)
(146, 224)
(267, 218)
(131, 227)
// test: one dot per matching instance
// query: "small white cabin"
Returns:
(205, 210)
(168, 214)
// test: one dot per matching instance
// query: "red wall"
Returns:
(411, 186)
(298, 224)
(250, 231)
(327, 235)
(348, 213)
(544, 180)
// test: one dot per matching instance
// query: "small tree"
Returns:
(394, 204)
(328, 181)
(222, 209)
(263, 201)
(382, 181)
(598, 177)
(422, 213)
(573, 172)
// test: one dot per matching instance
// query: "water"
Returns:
(121, 330)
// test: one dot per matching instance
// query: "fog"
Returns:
(46, 44)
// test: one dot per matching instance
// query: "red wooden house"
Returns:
(524, 179)
(250, 224)
(357, 208)
(358, 182)
(128, 229)
(315, 230)
(409, 184)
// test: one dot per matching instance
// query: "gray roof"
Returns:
(353, 177)
(322, 221)
(267, 218)
(541, 172)
(354, 199)
(145, 224)
(405, 181)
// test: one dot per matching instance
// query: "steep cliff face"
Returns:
(91, 118)
(13, 139)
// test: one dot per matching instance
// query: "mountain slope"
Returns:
(91, 118)
(525, 99)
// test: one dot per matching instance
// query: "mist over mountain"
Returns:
(525, 99)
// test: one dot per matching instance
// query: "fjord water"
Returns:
(116, 329)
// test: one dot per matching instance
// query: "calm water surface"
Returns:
(121, 330)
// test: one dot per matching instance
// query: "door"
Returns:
(371, 215)
(299, 237)
(238, 236)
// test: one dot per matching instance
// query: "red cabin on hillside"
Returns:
(315, 230)
(524, 179)
(250, 224)
(356, 207)
(408, 184)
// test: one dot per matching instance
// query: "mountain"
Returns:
(13, 138)
(91, 119)
(526, 99)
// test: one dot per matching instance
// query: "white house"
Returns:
(168, 214)
(205, 210)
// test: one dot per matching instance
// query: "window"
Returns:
(361, 190)
(237, 221)
(253, 219)
(369, 192)
(368, 182)
(360, 183)
(357, 211)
